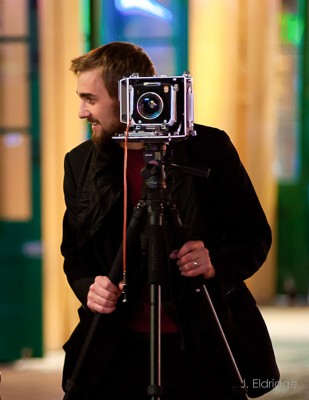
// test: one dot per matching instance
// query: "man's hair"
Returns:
(116, 60)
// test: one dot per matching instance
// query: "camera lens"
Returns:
(150, 105)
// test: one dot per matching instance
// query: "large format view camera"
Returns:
(156, 108)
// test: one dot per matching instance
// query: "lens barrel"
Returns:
(150, 105)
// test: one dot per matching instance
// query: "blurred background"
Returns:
(249, 62)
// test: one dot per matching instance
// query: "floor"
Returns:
(289, 330)
(40, 379)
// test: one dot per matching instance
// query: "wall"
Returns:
(61, 41)
(232, 58)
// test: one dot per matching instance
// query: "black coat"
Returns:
(220, 208)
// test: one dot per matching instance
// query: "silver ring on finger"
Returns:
(195, 263)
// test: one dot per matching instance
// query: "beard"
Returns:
(102, 136)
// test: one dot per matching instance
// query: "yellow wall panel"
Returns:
(15, 177)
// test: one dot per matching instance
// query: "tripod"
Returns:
(159, 210)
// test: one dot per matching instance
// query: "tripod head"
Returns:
(153, 172)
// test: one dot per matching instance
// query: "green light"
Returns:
(291, 29)
(84, 6)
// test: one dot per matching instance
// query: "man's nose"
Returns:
(83, 112)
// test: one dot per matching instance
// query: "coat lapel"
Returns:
(99, 189)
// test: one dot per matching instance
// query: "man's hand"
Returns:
(193, 260)
(103, 295)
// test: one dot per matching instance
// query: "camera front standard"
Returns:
(156, 108)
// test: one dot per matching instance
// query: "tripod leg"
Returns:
(154, 389)
(238, 388)
(115, 276)
(198, 284)
(156, 262)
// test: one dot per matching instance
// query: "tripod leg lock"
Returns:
(155, 391)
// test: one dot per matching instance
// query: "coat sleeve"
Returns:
(222, 209)
(76, 267)
(243, 234)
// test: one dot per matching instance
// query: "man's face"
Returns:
(101, 111)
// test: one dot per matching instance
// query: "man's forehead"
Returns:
(89, 81)
(92, 76)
